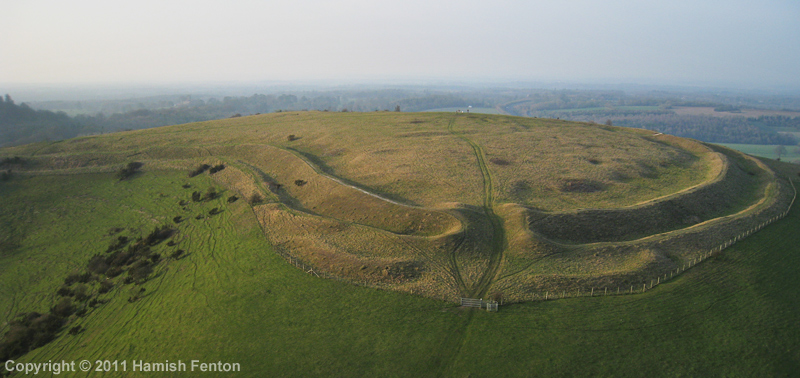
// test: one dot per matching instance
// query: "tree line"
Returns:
(20, 124)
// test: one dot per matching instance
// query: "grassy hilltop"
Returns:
(428, 204)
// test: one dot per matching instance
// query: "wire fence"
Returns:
(588, 292)
(645, 286)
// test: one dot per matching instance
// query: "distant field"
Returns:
(750, 113)
(761, 150)
(602, 108)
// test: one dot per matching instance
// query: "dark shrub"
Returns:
(98, 264)
(81, 293)
(114, 230)
(129, 170)
(214, 211)
(64, 291)
(299, 182)
(177, 254)
(255, 198)
(85, 277)
(155, 258)
(117, 244)
(14, 160)
(75, 330)
(158, 235)
(46, 323)
(105, 287)
(63, 308)
(119, 259)
(186, 186)
(211, 194)
(71, 279)
(113, 272)
(291, 138)
(216, 168)
(17, 341)
(178, 219)
(499, 161)
(199, 170)
(196, 196)
(232, 199)
(140, 271)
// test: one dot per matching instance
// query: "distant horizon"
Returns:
(732, 44)
(61, 91)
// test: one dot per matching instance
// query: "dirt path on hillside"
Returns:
(481, 288)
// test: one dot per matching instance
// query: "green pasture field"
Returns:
(766, 151)
(601, 109)
(233, 299)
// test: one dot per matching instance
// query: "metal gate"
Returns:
(479, 303)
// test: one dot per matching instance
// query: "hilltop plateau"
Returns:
(452, 205)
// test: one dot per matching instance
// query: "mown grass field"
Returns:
(233, 299)
(766, 151)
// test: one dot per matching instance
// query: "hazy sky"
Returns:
(740, 43)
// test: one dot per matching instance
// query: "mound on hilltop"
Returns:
(448, 205)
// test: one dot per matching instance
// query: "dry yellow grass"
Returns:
(403, 200)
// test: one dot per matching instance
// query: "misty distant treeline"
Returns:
(19, 124)
(709, 128)
(200, 110)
